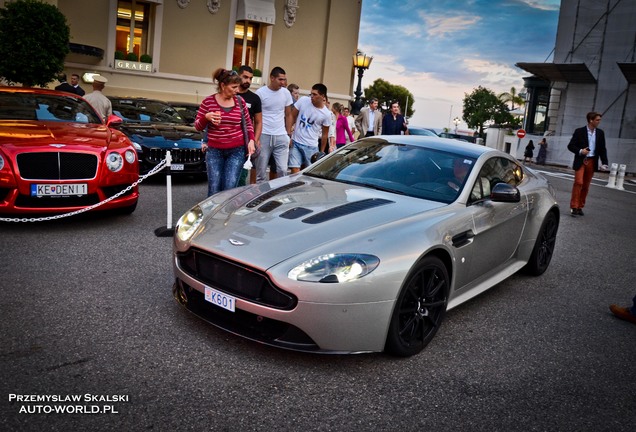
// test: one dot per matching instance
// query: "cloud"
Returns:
(443, 25)
(548, 5)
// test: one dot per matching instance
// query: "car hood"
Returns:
(267, 223)
(18, 135)
(163, 135)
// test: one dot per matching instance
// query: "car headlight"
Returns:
(334, 268)
(137, 146)
(130, 156)
(1, 162)
(114, 161)
(188, 223)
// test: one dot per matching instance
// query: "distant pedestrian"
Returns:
(543, 152)
(587, 144)
(352, 123)
(625, 313)
(221, 114)
(529, 152)
(75, 83)
(276, 102)
(369, 121)
(64, 86)
(342, 126)
(294, 90)
(97, 99)
(394, 123)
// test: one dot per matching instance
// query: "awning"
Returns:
(576, 73)
(262, 11)
(629, 70)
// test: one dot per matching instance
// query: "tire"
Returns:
(544, 247)
(419, 309)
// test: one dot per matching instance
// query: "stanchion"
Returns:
(168, 230)
(621, 176)
(611, 181)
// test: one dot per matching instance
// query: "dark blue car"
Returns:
(155, 127)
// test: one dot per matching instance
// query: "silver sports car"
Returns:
(366, 249)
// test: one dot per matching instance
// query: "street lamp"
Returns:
(361, 62)
(456, 120)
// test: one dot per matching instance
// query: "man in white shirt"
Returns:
(312, 120)
(369, 121)
(276, 103)
(97, 99)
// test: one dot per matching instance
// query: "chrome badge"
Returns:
(236, 242)
(58, 145)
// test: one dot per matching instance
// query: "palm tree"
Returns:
(512, 97)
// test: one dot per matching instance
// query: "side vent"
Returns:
(346, 209)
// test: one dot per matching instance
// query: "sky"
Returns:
(441, 50)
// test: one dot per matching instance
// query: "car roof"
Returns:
(463, 148)
(36, 90)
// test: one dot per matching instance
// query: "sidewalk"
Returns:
(599, 175)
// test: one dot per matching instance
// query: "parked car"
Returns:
(416, 130)
(188, 111)
(466, 138)
(366, 249)
(58, 156)
(155, 127)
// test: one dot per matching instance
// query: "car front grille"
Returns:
(234, 279)
(184, 156)
(57, 166)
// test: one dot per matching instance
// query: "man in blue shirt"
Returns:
(394, 123)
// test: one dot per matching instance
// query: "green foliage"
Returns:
(512, 97)
(483, 106)
(120, 55)
(145, 58)
(258, 73)
(386, 92)
(131, 56)
(34, 40)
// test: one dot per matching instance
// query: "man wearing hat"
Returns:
(97, 99)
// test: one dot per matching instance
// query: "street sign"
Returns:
(521, 133)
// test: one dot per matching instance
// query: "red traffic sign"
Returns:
(521, 133)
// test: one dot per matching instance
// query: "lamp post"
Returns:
(456, 120)
(361, 62)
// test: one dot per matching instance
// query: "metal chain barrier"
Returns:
(153, 171)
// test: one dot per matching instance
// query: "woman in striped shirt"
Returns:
(225, 149)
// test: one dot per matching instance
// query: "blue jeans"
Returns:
(278, 146)
(300, 154)
(224, 168)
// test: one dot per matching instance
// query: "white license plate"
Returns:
(176, 167)
(59, 189)
(220, 299)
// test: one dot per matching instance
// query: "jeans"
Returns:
(224, 168)
(300, 155)
(277, 145)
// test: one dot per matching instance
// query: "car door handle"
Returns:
(462, 239)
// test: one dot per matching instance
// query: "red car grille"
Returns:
(57, 166)
(234, 279)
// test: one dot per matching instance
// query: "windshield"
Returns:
(405, 169)
(46, 107)
(145, 111)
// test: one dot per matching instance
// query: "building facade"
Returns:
(167, 49)
(594, 69)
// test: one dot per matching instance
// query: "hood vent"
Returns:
(261, 199)
(296, 212)
(346, 209)
(269, 206)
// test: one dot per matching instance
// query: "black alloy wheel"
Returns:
(544, 247)
(420, 308)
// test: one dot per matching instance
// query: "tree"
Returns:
(512, 97)
(483, 106)
(34, 40)
(386, 92)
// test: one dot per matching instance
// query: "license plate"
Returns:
(59, 189)
(220, 299)
(176, 167)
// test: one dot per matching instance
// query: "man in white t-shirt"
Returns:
(312, 120)
(276, 103)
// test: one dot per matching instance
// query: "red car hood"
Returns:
(20, 135)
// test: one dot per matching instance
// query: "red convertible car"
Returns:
(58, 156)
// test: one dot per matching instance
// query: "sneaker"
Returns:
(623, 313)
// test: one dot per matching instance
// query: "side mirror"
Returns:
(503, 192)
(114, 120)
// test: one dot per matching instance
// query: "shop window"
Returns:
(133, 25)
(246, 44)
